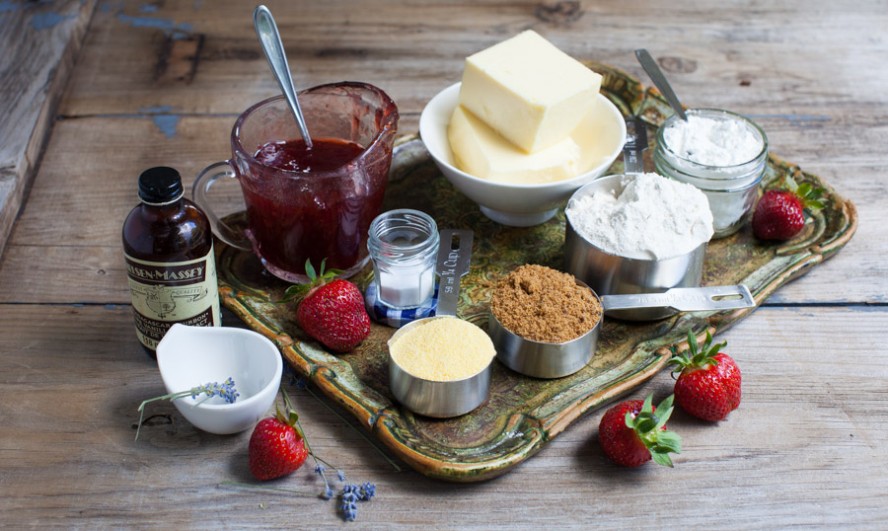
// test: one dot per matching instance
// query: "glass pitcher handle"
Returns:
(199, 193)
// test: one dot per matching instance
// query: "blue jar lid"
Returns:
(384, 314)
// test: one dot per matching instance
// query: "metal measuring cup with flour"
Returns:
(636, 232)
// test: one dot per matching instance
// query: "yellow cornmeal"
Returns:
(443, 350)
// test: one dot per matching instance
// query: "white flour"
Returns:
(653, 218)
(713, 142)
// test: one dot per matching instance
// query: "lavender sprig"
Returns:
(350, 494)
(349, 502)
(368, 490)
(225, 390)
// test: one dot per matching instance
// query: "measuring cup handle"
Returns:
(708, 298)
(199, 192)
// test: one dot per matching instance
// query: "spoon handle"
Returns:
(270, 39)
(656, 75)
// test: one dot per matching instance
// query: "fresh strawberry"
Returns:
(277, 448)
(331, 310)
(708, 386)
(780, 213)
(631, 433)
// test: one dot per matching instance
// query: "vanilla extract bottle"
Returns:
(168, 247)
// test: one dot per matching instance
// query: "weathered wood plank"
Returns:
(413, 50)
(40, 44)
(800, 451)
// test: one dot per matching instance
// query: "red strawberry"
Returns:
(780, 214)
(276, 447)
(331, 310)
(631, 433)
(708, 386)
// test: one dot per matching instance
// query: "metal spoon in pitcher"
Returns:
(656, 75)
(270, 39)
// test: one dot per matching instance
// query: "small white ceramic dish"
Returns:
(189, 356)
(519, 205)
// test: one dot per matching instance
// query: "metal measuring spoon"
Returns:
(270, 39)
(656, 75)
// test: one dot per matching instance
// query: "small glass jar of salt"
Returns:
(721, 153)
(403, 245)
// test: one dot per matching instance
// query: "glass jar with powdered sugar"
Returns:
(721, 153)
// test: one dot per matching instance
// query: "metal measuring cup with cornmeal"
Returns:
(440, 366)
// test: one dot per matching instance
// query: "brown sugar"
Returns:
(542, 304)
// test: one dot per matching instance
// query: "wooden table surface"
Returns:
(159, 82)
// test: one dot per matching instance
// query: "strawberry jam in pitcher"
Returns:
(308, 204)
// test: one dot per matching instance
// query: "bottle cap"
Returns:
(160, 186)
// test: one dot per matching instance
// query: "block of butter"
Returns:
(482, 152)
(528, 90)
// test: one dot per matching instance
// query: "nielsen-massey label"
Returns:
(165, 293)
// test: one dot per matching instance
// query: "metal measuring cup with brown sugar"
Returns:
(556, 359)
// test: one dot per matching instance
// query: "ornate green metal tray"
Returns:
(522, 413)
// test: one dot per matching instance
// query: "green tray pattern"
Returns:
(522, 413)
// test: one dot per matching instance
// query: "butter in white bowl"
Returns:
(481, 151)
(528, 90)
(522, 104)
(573, 131)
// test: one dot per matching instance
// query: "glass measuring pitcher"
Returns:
(297, 213)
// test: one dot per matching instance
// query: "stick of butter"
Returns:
(480, 151)
(528, 90)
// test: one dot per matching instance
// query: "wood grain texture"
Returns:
(40, 44)
(800, 451)
(161, 83)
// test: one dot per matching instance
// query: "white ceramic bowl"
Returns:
(518, 205)
(189, 356)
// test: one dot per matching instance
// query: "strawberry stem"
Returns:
(649, 426)
(810, 196)
(696, 357)
(316, 279)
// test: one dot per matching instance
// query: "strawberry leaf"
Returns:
(629, 420)
(648, 406)
(662, 458)
(649, 427)
(696, 357)
(811, 197)
(310, 270)
(664, 411)
(317, 278)
(294, 293)
(669, 441)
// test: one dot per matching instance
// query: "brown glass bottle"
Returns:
(168, 248)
